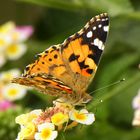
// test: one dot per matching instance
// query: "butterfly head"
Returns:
(76, 99)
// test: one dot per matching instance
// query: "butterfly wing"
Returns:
(74, 62)
(82, 51)
(44, 83)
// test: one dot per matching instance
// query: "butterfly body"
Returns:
(65, 70)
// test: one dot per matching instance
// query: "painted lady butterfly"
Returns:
(65, 70)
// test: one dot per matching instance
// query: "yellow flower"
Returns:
(5, 35)
(59, 118)
(11, 41)
(4, 42)
(82, 116)
(15, 51)
(24, 119)
(7, 27)
(46, 132)
(27, 132)
(7, 76)
(13, 92)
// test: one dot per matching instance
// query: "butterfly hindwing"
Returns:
(44, 83)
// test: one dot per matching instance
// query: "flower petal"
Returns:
(37, 136)
(84, 111)
(46, 132)
(22, 119)
(15, 51)
(7, 76)
(53, 136)
(136, 119)
(45, 125)
(82, 116)
(13, 92)
(36, 112)
(4, 105)
(28, 131)
(90, 119)
(136, 101)
(59, 118)
(24, 32)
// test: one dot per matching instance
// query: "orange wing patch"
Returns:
(48, 62)
(67, 54)
(77, 49)
(77, 55)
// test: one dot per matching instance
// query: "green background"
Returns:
(55, 20)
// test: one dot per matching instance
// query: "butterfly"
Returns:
(65, 70)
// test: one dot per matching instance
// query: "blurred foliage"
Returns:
(7, 123)
(57, 20)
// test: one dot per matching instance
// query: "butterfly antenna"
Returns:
(115, 83)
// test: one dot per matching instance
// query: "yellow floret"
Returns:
(59, 118)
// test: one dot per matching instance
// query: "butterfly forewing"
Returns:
(73, 63)
(82, 51)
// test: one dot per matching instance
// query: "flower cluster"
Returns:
(10, 92)
(11, 41)
(136, 106)
(45, 125)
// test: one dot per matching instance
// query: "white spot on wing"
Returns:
(89, 34)
(94, 28)
(100, 25)
(103, 19)
(106, 28)
(99, 44)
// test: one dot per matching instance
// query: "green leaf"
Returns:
(112, 7)
(63, 4)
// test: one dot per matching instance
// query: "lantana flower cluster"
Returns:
(12, 39)
(136, 106)
(45, 125)
(10, 92)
